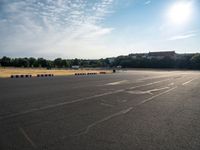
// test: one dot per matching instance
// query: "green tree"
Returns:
(42, 62)
(32, 61)
(23, 62)
(75, 62)
(6, 61)
(58, 63)
(65, 63)
(195, 60)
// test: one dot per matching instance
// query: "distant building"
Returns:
(138, 55)
(119, 67)
(75, 67)
(155, 55)
(161, 55)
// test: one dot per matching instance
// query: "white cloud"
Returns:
(147, 2)
(183, 36)
(67, 28)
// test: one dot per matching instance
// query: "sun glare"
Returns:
(180, 12)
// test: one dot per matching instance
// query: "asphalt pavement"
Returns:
(129, 110)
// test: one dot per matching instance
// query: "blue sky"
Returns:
(97, 28)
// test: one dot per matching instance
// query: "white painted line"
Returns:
(189, 81)
(27, 137)
(122, 112)
(157, 77)
(152, 83)
(139, 92)
(126, 82)
(148, 91)
(151, 98)
(103, 120)
(160, 89)
(116, 83)
(75, 101)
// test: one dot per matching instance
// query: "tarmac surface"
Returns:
(130, 110)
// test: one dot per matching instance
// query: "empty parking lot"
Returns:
(123, 111)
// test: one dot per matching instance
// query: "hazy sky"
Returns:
(97, 28)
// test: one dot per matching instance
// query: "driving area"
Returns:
(128, 110)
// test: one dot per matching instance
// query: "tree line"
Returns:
(57, 63)
(184, 61)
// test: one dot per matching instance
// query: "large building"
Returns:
(155, 55)
(139, 55)
(161, 55)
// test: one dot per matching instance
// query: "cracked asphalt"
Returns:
(129, 110)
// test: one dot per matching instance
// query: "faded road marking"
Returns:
(58, 104)
(103, 120)
(151, 98)
(162, 76)
(123, 112)
(116, 83)
(27, 137)
(171, 84)
(148, 91)
(76, 101)
(152, 83)
(139, 92)
(189, 81)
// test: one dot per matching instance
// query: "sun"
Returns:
(180, 12)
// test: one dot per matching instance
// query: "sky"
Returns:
(92, 29)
